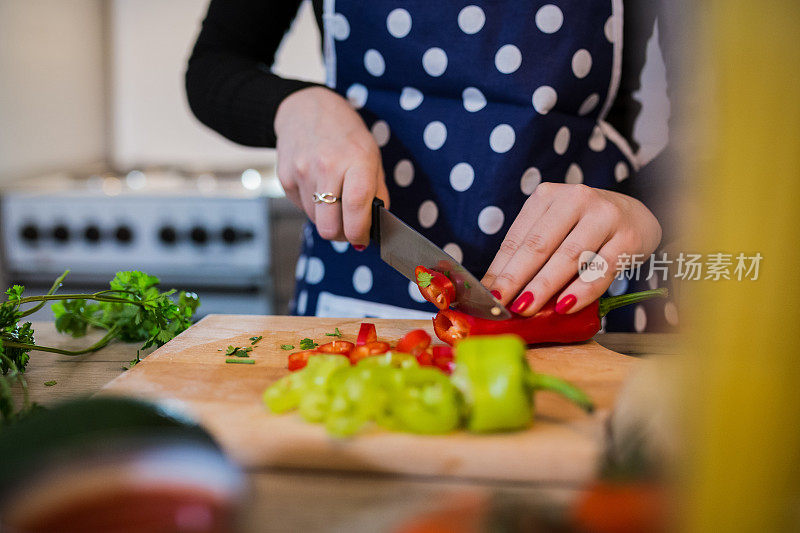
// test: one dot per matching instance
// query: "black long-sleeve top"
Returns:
(232, 90)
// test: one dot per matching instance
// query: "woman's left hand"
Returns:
(558, 222)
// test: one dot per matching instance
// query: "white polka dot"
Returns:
(404, 173)
(357, 95)
(410, 98)
(549, 18)
(490, 220)
(339, 27)
(413, 291)
(473, 99)
(380, 130)
(362, 279)
(434, 135)
(618, 286)
(574, 174)
(589, 104)
(544, 99)
(300, 267)
(608, 29)
(302, 302)
(502, 138)
(597, 140)
(340, 246)
(471, 19)
(671, 313)
(373, 62)
(315, 271)
(461, 177)
(531, 179)
(581, 63)
(652, 282)
(561, 142)
(428, 213)
(308, 236)
(621, 171)
(434, 61)
(399, 22)
(508, 59)
(454, 251)
(639, 319)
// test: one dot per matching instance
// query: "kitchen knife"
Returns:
(403, 248)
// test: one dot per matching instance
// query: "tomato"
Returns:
(368, 349)
(366, 334)
(340, 347)
(298, 360)
(414, 342)
(440, 291)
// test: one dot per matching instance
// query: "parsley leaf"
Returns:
(287, 347)
(424, 279)
(336, 333)
(50, 383)
(254, 340)
(238, 351)
(307, 344)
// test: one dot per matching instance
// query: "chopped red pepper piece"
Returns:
(443, 358)
(368, 349)
(435, 287)
(545, 326)
(414, 342)
(425, 358)
(298, 360)
(366, 333)
(340, 347)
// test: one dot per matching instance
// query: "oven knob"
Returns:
(61, 233)
(168, 235)
(91, 233)
(199, 235)
(124, 234)
(29, 233)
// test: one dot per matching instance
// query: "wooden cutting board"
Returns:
(563, 445)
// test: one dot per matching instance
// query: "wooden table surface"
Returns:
(309, 501)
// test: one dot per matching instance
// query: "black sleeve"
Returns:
(229, 85)
(657, 183)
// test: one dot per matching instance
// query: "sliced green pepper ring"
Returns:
(427, 402)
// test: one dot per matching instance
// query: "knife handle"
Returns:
(375, 230)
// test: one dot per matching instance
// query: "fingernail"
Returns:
(522, 302)
(359, 247)
(565, 303)
(497, 295)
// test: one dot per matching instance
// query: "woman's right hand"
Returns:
(324, 146)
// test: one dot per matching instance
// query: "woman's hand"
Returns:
(324, 146)
(559, 221)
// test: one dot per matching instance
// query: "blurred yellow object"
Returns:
(743, 403)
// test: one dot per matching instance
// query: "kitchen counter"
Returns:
(306, 500)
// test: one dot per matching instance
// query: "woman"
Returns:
(483, 125)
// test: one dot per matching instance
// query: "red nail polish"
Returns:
(359, 247)
(497, 295)
(565, 304)
(522, 302)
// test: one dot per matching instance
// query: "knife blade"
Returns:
(403, 248)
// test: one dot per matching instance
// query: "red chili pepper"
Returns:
(414, 342)
(366, 334)
(545, 326)
(340, 347)
(443, 358)
(435, 287)
(298, 360)
(425, 358)
(368, 349)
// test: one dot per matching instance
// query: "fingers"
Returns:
(532, 251)
(328, 217)
(359, 189)
(589, 234)
(582, 292)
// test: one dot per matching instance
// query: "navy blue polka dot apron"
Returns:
(472, 106)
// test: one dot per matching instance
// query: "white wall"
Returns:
(153, 125)
(52, 108)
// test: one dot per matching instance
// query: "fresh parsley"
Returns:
(254, 340)
(287, 347)
(238, 351)
(336, 333)
(307, 344)
(424, 279)
(50, 383)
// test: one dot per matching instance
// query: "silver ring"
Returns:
(325, 197)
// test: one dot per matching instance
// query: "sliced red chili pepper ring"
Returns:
(369, 349)
(298, 360)
(414, 342)
(340, 347)
(366, 333)
(435, 287)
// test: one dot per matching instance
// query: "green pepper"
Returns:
(394, 359)
(497, 383)
(358, 394)
(427, 402)
(288, 392)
